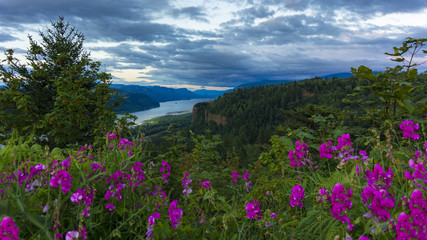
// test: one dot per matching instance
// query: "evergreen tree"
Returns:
(59, 96)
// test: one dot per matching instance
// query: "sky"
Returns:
(216, 45)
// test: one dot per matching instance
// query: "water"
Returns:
(168, 108)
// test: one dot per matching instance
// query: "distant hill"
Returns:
(339, 75)
(209, 93)
(157, 93)
(135, 102)
(263, 83)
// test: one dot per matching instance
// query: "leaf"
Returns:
(409, 106)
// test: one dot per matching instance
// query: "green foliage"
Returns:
(59, 95)
(392, 89)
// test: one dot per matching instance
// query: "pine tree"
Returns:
(59, 96)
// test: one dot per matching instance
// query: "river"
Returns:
(167, 108)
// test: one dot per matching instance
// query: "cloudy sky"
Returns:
(220, 44)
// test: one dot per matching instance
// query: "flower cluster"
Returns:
(185, 184)
(297, 196)
(63, 178)
(151, 221)
(8, 229)
(325, 150)
(235, 175)
(245, 176)
(296, 157)
(124, 144)
(409, 129)
(86, 197)
(414, 225)
(165, 169)
(340, 201)
(382, 199)
(252, 210)
(206, 184)
(419, 174)
(175, 213)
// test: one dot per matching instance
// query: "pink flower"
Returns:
(246, 175)
(175, 213)
(297, 196)
(273, 215)
(62, 178)
(8, 229)
(296, 156)
(235, 175)
(72, 235)
(325, 150)
(152, 218)
(252, 210)
(110, 207)
(409, 128)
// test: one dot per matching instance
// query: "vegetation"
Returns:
(341, 171)
(59, 96)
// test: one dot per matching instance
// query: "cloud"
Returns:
(226, 43)
(194, 13)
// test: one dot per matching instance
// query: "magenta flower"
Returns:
(72, 235)
(296, 157)
(252, 210)
(152, 218)
(297, 196)
(341, 201)
(111, 136)
(78, 195)
(325, 150)
(83, 232)
(186, 185)
(206, 184)
(62, 178)
(8, 229)
(235, 175)
(409, 128)
(245, 176)
(110, 207)
(175, 213)
(273, 215)
(363, 237)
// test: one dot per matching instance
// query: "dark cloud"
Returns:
(261, 41)
(194, 13)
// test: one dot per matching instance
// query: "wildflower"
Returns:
(409, 128)
(8, 229)
(235, 175)
(83, 232)
(78, 195)
(325, 150)
(206, 184)
(152, 218)
(245, 176)
(252, 210)
(185, 184)
(111, 136)
(45, 208)
(297, 196)
(86, 212)
(273, 215)
(248, 185)
(110, 207)
(62, 178)
(341, 202)
(175, 213)
(296, 156)
(72, 235)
